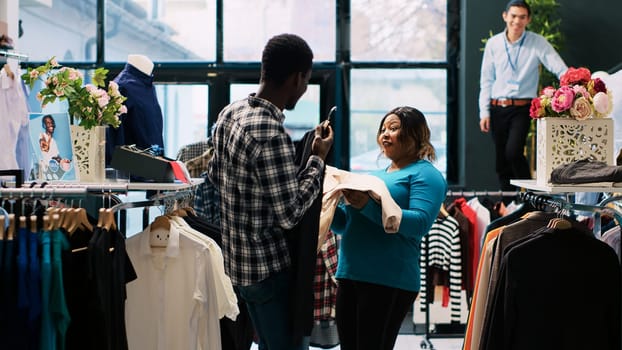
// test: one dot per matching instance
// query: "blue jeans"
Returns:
(269, 307)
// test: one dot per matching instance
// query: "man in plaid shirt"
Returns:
(261, 190)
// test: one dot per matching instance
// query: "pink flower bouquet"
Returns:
(579, 97)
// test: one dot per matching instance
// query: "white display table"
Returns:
(550, 188)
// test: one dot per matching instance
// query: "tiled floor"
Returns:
(413, 342)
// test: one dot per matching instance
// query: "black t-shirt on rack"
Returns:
(110, 269)
(559, 289)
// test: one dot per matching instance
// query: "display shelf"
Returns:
(163, 186)
(112, 186)
(551, 188)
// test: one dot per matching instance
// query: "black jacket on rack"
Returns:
(558, 289)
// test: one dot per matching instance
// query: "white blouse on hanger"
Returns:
(14, 131)
(180, 294)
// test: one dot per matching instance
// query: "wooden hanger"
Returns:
(65, 218)
(159, 231)
(100, 217)
(22, 222)
(180, 212)
(80, 220)
(55, 218)
(2, 227)
(559, 224)
(83, 220)
(33, 224)
(55, 221)
(443, 211)
(47, 224)
(161, 222)
(11, 230)
(9, 72)
(106, 219)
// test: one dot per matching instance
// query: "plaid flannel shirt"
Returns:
(262, 192)
(325, 282)
(206, 198)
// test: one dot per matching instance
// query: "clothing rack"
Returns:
(156, 200)
(451, 330)
(18, 56)
(564, 207)
(462, 193)
(166, 194)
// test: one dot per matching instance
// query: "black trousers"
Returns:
(369, 316)
(509, 127)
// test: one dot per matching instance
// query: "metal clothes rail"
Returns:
(16, 55)
(456, 193)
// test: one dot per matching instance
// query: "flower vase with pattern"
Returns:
(563, 140)
(89, 151)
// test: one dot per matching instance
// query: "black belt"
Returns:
(507, 102)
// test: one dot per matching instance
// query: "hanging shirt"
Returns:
(483, 219)
(79, 292)
(174, 304)
(442, 248)
(547, 284)
(472, 240)
(8, 297)
(48, 339)
(110, 271)
(14, 131)
(23, 302)
(58, 306)
(34, 287)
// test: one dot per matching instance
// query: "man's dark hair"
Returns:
(518, 3)
(283, 55)
(48, 116)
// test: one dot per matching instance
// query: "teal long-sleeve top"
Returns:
(366, 252)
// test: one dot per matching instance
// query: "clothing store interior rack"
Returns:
(14, 55)
(100, 194)
(566, 206)
(448, 330)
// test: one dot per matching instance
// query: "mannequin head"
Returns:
(141, 62)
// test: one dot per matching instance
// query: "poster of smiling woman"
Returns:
(51, 145)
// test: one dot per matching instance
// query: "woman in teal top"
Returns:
(378, 272)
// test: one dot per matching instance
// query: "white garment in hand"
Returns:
(336, 180)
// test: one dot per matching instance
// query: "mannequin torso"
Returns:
(141, 62)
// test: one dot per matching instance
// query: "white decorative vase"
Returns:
(563, 140)
(89, 152)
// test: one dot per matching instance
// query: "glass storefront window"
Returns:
(47, 31)
(184, 108)
(398, 30)
(164, 30)
(376, 91)
(298, 121)
(249, 24)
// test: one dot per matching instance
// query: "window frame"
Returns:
(332, 77)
